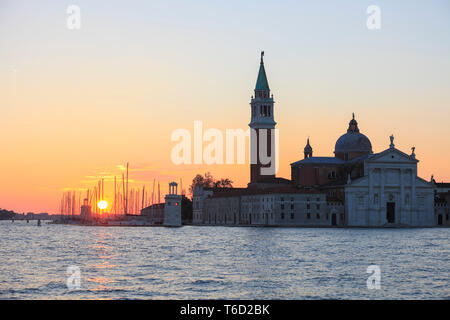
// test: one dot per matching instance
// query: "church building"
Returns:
(354, 188)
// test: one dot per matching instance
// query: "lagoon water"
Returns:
(221, 262)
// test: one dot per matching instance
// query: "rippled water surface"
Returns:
(221, 262)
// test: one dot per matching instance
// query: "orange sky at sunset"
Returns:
(76, 105)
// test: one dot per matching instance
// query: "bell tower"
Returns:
(262, 125)
(308, 151)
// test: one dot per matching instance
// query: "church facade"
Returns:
(353, 188)
(390, 192)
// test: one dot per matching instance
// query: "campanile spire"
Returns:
(262, 85)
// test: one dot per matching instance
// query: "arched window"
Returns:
(332, 175)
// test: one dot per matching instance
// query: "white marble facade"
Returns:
(389, 193)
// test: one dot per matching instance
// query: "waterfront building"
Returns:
(355, 188)
(442, 203)
(154, 213)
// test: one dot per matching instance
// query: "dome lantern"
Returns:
(353, 125)
(353, 143)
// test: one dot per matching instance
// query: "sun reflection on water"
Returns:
(102, 263)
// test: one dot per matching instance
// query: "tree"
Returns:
(208, 181)
(223, 183)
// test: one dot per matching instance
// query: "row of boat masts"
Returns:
(126, 200)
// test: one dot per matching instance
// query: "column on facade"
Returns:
(371, 197)
(382, 200)
(370, 188)
(402, 197)
(413, 197)
(347, 209)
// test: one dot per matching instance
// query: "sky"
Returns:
(76, 105)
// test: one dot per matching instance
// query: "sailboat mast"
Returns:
(143, 196)
(115, 193)
(126, 197)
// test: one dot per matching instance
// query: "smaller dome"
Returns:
(308, 147)
(308, 150)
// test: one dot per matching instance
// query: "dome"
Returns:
(353, 141)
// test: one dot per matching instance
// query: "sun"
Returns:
(102, 205)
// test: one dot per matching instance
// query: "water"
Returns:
(221, 262)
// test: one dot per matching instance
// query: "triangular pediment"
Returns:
(392, 155)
